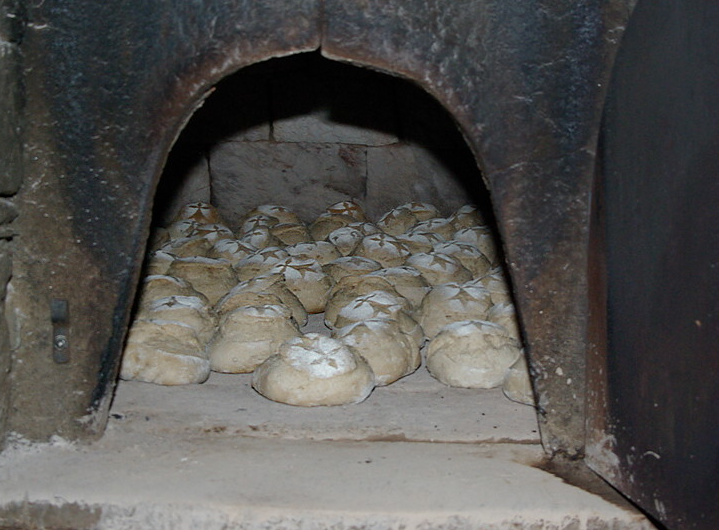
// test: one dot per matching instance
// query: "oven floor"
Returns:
(219, 456)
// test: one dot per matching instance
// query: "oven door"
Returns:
(653, 427)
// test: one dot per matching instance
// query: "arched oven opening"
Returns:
(307, 133)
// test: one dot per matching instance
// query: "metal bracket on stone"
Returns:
(60, 316)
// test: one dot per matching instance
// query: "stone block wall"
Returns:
(10, 173)
(306, 132)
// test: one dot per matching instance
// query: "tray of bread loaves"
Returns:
(412, 289)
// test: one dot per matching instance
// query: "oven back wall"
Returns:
(109, 87)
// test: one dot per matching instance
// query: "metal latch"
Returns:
(60, 317)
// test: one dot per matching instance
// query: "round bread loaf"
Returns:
(438, 268)
(351, 287)
(350, 208)
(200, 212)
(482, 238)
(517, 385)
(390, 353)
(452, 302)
(188, 310)
(327, 223)
(345, 239)
(158, 262)
(214, 232)
(259, 263)
(397, 221)
(496, 283)
(314, 370)
(260, 237)
(307, 281)
(366, 228)
(505, 315)
(183, 228)
(159, 286)
(281, 213)
(467, 216)
(212, 277)
(233, 300)
(437, 225)
(272, 284)
(321, 251)
(350, 266)
(256, 221)
(291, 233)
(248, 335)
(188, 247)
(421, 210)
(407, 281)
(381, 305)
(472, 354)
(417, 242)
(382, 248)
(469, 256)
(233, 250)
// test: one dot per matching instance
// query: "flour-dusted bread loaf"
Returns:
(248, 335)
(351, 287)
(407, 281)
(452, 302)
(214, 232)
(417, 242)
(437, 225)
(291, 233)
(260, 237)
(200, 212)
(327, 223)
(188, 310)
(259, 262)
(307, 281)
(472, 354)
(466, 217)
(164, 353)
(438, 268)
(281, 213)
(381, 305)
(235, 299)
(517, 385)
(314, 370)
(421, 211)
(269, 283)
(397, 221)
(350, 208)
(183, 228)
(350, 266)
(158, 262)
(482, 238)
(233, 250)
(159, 286)
(505, 315)
(382, 248)
(321, 251)
(345, 239)
(498, 286)
(257, 221)
(390, 352)
(366, 228)
(470, 256)
(212, 277)
(188, 247)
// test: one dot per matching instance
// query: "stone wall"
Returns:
(10, 173)
(307, 132)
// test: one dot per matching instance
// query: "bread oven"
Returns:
(101, 92)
